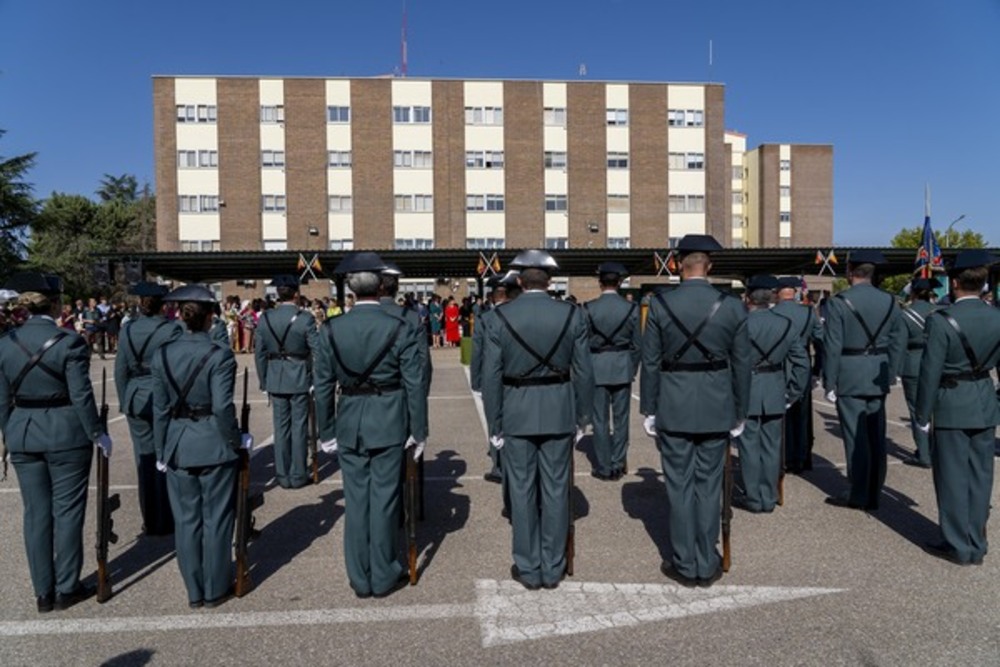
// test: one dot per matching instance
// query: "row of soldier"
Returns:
(547, 371)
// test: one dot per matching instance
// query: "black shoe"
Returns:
(601, 476)
(741, 502)
(505, 513)
(617, 474)
(555, 584)
(944, 551)
(708, 581)
(66, 600)
(45, 603)
(670, 573)
(516, 576)
(915, 462)
(493, 477)
(401, 582)
(843, 501)
(196, 604)
(222, 599)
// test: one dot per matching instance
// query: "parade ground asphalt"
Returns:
(810, 584)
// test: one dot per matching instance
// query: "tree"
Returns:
(124, 188)
(912, 237)
(17, 209)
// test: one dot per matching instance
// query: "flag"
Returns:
(316, 266)
(496, 264)
(301, 264)
(929, 253)
(819, 257)
(481, 267)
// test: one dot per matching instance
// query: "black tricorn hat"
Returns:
(30, 281)
(148, 288)
(361, 262)
(789, 282)
(285, 280)
(763, 281)
(616, 268)
(973, 258)
(866, 256)
(191, 293)
(535, 259)
(698, 243)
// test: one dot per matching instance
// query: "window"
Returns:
(554, 116)
(555, 159)
(338, 159)
(411, 114)
(617, 117)
(272, 158)
(187, 159)
(208, 158)
(738, 198)
(275, 244)
(694, 161)
(414, 203)
(272, 114)
(556, 243)
(687, 203)
(618, 203)
(737, 222)
(617, 160)
(341, 244)
(414, 244)
(422, 160)
(208, 203)
(200, 246)
(484, 159)
(273, 202)
(785, 242)
(785, 216)
(556, 203)
(484, 202)
(784, 191)
(685, 118)
(484, 243)
(187, 203)
(198, 203)
(412, 159)
(338, 114)
(737, 172)
(785, 165)
(341, 203)
(484, 115)
(200, 113)
(619, 242)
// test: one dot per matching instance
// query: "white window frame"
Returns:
(273, 203)
(337, 114)
(272, 113)
(555, 159)
(554, 116)
(271, 159)
(555, 203)
(616, 117)
(617, 160)
(339, 159)
(619, 203)
(340, 203)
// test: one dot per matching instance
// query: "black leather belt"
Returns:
(286, 355)
(193, 412)
(538, 381)
(863, 351)
(768, 368)
(915, 346)
(369, 389)
(951, 380)
(142, 372)
(695, 367)
(620, 347)
(41, 403)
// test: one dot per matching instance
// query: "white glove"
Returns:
(496, 441)
(788, 405)
(161, 466)
(328, 446)
(104, 442)
(246, 441)
(477, 394)
(925, 428)
(418, 447)
(579, 436)
(895, 381)
(737, 430)
(649, 426)
(831, 396)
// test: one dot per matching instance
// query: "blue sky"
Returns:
(907, 91)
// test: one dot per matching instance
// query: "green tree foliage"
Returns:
(17, 209)
(911, 237)
(123, 189)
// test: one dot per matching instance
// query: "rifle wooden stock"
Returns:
(106, 505)
(410, 508)
(571, 533)
(313, 439)
(245, 505)
(781, 465)
(727, 508)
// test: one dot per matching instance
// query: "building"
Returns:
(393, 163)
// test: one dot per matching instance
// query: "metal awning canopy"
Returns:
(212, 267)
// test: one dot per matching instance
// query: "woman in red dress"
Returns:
(451, 316)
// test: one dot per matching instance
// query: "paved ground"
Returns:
(810, 584)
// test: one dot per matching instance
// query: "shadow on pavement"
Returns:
(447, 511)
(144, 556)
(646, 500)
(136, 658)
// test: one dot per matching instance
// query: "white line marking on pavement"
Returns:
(479, 403)
(446, 398)
(506, 612)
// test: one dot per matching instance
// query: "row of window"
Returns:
(551, 116)
(472, 243)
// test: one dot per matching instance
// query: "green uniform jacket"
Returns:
(219, 333)
(373, 420)
(50, 429)
(537, 410)
(208, 440)
(139, 341)
(700, 402)
(413, 317)
(286, 370)
(915, 319)
(863, 374)
(777, 336)
(479, 338)
(616, 360)
(968, 404)
(805, 323)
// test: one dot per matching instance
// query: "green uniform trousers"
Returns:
(962, 462)
(760, 461)
(799, 433)
(862, 422)
(372, 515)
(154, 502)
(54, 493)
(692, 467)
(203, 500)
(611, 448)
(537, 473)
(921, 440)
(291, 439)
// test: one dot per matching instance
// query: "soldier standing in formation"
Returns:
(915, 318)
(50, 423)
(537, 384)
(197, 441)
(388, 291)
(799, 416)
(140, 341)
(375, 358)
(285, 342)
(865, 344)
(615, 340)
(695, 386)
(956, 396)
(780, 370)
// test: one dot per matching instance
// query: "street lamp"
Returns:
(947, 232)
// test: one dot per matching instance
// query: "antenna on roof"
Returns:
(711, 59)
(583, 70)
(402, 45)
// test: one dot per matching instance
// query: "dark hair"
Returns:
(195, 315)
(285, 293)
(150, 305)
(971, 280)
(534, 279)
(390, 284)
(609, 280)
(760, 297)
(863, 271)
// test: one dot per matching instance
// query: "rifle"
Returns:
(106, 505)
(245, 505)
(571, 533)
(727, 508)
(781, 465)
(410, 502)
(313, 438)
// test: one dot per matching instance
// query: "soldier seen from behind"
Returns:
(915, 315)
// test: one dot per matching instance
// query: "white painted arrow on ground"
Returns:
(507, 613)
